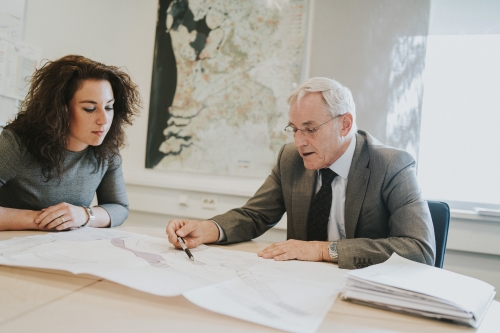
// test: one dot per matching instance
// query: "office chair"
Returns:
(440, 213)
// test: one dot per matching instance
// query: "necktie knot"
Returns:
(327, 176)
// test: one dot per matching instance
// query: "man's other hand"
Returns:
(296, 249)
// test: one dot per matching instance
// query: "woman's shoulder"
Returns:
(8, 134)
(115, 161)
(10, 141)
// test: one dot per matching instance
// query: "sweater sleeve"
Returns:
(112, 195)
(9, 156)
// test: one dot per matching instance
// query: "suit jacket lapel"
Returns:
(357, 182)
(303, 191)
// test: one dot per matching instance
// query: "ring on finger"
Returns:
(62, 219)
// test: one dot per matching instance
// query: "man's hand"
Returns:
(194, 232)
(295, 249)
(62, 216)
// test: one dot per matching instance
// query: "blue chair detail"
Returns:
(440, 213)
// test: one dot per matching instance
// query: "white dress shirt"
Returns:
(336, 222)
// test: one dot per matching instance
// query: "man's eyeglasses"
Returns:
(308, 130)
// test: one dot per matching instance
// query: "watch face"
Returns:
(333, 251)
(333, 247)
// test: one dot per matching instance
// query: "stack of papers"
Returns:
(405, 286)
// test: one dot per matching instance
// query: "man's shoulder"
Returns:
(378, 150)
(289, 149)
(289, 158)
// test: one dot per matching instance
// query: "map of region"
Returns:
(236, 63)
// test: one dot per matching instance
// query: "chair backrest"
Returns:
(440, 213)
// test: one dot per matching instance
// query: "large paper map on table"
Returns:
(291, 295)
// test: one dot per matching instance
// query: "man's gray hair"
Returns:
(336, 97)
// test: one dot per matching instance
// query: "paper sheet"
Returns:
(293, 295)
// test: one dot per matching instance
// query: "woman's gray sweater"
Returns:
(22, 185)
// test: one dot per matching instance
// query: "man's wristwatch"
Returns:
(332, 250)
(91, 216)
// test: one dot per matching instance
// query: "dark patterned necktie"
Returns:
(317, 220)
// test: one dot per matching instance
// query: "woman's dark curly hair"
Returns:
(43, 120)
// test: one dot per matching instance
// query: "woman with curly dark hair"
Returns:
(63, 148)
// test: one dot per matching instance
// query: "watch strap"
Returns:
(91, 215)
(332, 250)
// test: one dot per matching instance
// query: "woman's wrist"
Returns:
(89, 217)
(18, 219)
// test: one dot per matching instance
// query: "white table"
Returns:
(33, 300)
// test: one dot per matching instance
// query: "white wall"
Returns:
(121, 32)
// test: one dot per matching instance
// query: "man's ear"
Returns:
(347, 122)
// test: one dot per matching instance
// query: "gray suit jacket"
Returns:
(384, 211)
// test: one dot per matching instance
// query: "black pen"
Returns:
(184, 247)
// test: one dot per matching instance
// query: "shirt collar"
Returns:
(342, 165)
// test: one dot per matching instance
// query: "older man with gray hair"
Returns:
(348, 198)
